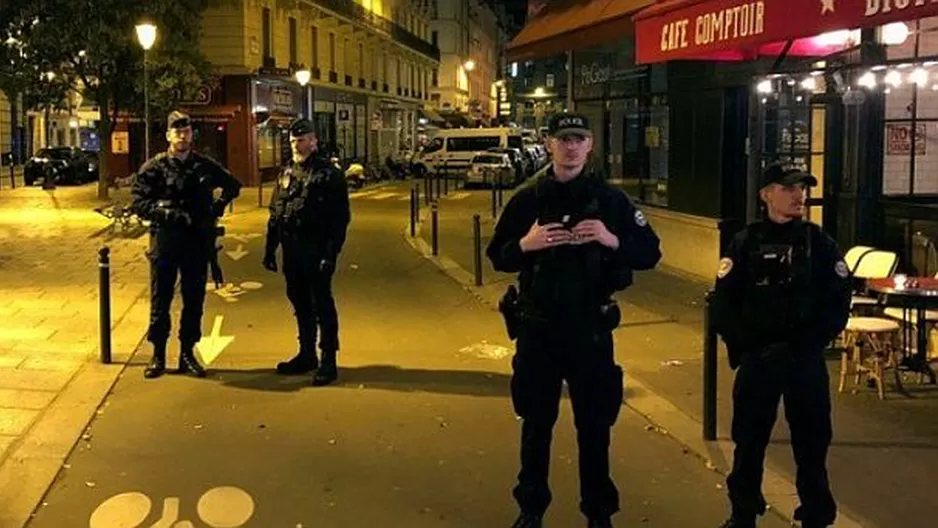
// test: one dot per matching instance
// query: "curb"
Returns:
(28, 472)
(661, 414)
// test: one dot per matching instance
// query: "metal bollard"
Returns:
(104, 303)
(477, 248)
(439, 183)
(709, 375)
(435, 228)
(413, 211)
(260, 192)
(500, 184)
(494, 199)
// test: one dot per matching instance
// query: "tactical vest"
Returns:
(779, 282)
(567, 280)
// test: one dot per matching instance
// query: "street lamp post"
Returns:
(302, 77)
(146, 36)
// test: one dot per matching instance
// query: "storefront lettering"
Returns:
(875, 7)
(741, 21)
(594, 74)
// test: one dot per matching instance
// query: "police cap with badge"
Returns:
(178, 120)
(786, 176)
(562, 125)
(301, 127)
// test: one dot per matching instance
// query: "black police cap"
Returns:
(568, 124)
(178, 119)
(301, 127)
(778, 173)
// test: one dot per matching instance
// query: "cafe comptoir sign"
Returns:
(749, 19)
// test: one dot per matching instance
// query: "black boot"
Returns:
(328, 371)
(528, 520)
(302, 363)
(737, 522)
(188, 362)
(157, 366)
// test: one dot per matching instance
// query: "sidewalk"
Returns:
(885, 453)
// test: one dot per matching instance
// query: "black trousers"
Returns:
(310, 292)
(181, 253)
(803, 381)
(546, 356)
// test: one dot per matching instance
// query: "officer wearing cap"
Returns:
(174, 190)
(782, 294)
(309, 216)
(574, 241)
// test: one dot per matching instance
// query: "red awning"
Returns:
(695, 29)
(573, 24)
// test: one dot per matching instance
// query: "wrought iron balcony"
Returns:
(353, 11)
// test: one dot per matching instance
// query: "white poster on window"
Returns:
(899, 139)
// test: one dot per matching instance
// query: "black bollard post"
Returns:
(500, 184)
(104, 303)
(439, 185)
(494, 198)
(477, 248)
(260, 192)
(709, 375)
(413, 211)
(435, 228)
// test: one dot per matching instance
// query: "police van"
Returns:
(454, 149)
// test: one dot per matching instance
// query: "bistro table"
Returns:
(911, 293)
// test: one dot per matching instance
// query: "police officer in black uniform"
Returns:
(574, 240)
(175, 191)
(309, 216)
(782, 294)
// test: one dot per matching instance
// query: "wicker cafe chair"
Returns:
(870, 351)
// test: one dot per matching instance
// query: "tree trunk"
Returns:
(104, 132)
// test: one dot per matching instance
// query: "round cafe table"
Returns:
(918, 294)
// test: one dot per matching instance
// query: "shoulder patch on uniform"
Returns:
(726, 266)
(640, 219)
(841, 269)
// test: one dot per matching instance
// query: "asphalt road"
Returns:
(419, 431)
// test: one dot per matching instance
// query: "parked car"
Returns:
(63, 165)
(521, 165)
(486, 167)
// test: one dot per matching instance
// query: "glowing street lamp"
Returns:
(146, 36)
(302, 76)
(469, 65)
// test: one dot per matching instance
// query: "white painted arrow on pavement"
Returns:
(238, 254)
(212, 346)
(244, 238)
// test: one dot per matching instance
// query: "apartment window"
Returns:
(332, 51)
(550, 80)
(398, 78)
(314, 38)
(436, 77)
(293, 41)
(435, 38)
(266, 34)
(361, 60)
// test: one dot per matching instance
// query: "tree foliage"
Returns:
(91, 46)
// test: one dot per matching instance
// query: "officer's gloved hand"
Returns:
(270, 261)
(218, 208)
(326, 266)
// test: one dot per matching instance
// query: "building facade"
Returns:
(369, 65)
(686, 122)
(471, 36)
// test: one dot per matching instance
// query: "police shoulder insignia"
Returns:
(841, 269)
(726, 265)
(640, 220)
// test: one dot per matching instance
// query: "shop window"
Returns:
(910, 150)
